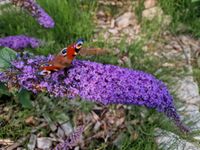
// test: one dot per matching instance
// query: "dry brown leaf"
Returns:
(101, 134)
(31, 121)
(95, 116)
(134, 136)
(120, 121)
(17, 144)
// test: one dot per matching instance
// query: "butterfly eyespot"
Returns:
(79, 43)
(64, 52)
(44, 72)
(78, 46)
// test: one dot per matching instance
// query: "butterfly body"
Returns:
(63, 59)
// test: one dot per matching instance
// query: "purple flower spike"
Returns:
(19, 42)
(36, 11)
(107, 84)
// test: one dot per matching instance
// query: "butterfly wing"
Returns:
(58, 63)
(63, 59)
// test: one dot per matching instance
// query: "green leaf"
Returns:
(6, 56)
(193, 1)
(4, 89)
(25, 98)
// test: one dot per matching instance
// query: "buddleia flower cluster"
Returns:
(100, 83)
(36, 11)
(19, 42)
